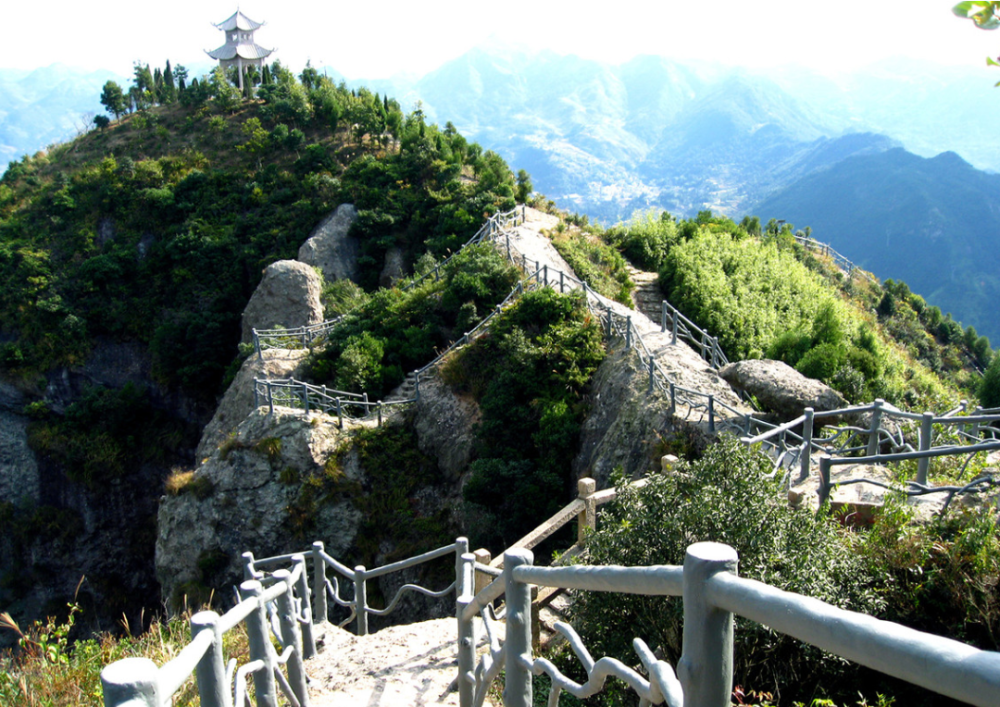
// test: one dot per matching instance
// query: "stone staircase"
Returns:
(646, 296)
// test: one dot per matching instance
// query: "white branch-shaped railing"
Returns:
(139, 682)
(713, 594)
(795, 442)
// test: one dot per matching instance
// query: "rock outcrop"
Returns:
(238, 401)
(19, 480)
(444, 423)
(239, 500)
(393, 269)
(331, 249)
(780, 388)
(287, 296)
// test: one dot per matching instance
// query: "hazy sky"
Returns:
(376, 40)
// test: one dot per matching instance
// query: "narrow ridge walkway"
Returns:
(400, 666)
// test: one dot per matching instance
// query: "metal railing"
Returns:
(713, 594)
(839, 260)
(282, 608)
(852, 445)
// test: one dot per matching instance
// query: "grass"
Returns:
(49, 670)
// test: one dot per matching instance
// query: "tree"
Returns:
(101, 121)
(524, 187)
(989, 386)
(985, 15)
(169, 87)
(181, 75)
(113, 99)
(227, 96)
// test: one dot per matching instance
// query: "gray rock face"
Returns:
(392, 270)
(780, 388)
(19, 478)
(246, 505)
(287, 296)
(444, 425)
(330, 249)
(238, 401)
(626, 425)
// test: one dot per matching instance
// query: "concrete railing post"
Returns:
(288, 620)
(131, 682)
(873, 430)
(270, 399)
(652, 375)
(302, 589)
(379, 413)
(211, 670)
(805, 457)
(711, 414)
(926, 433)
(673, 399)
(361, 600)
(608, 308)
(466, 628)
(248, 566)
(545, 270)
(416, 386)
(562, 282)
(587, 518)
(628, 332)
(482, 579)
(319, 584)
(256, 393)
(256, 346)
(825, 464)
(260, 647)
(305, 397)
(517, 686)
(673, 327)
(340, 414)
(705, 669)
(663, 316)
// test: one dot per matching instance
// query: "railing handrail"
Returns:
(712, 593)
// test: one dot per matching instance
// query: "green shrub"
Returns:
(725, 497)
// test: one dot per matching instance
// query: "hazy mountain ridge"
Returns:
(931, 222)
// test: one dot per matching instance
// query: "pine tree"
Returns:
(169, 88)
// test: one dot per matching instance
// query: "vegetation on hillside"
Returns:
(528, 376)
(939, 577)
(764, 295)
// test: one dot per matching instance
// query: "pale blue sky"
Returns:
(376, 40)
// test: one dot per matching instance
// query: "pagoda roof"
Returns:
(245, 50)
(239, 21)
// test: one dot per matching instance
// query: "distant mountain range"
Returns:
(933, 223)
(654, 133)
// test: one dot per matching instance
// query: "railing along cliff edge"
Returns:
(708, 584)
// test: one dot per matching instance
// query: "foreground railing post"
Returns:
(517, 684)
(825, 463)
(291, 636)
(807, 437)
(249, 572)
(361, 600)
(464, 589)
(926, 431)
(131, 682)
(211, 671)
(319, 583)
(587, 518)
(302, 587)
(260, 647)
(705, 669)
(873, 430)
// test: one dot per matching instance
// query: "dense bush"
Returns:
(725, 497)
(528, 374)
(645, 239)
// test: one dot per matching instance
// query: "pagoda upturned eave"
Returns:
(239, 21)
(228, 52)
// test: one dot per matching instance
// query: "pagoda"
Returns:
(240, 49)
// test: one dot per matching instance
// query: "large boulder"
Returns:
(331, 249)
(287, 296)
(445, 426)
(781, 389)
(238, 402)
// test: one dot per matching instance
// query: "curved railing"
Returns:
(282, 609)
